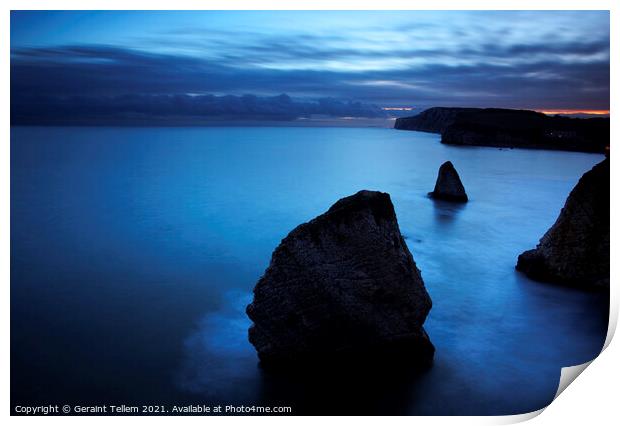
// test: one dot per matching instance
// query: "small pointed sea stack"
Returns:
(448, 186)
(575, 250)
(342, 287)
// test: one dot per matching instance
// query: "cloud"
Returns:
(193, 73)
(179, 109)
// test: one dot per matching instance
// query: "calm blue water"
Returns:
(134, 252)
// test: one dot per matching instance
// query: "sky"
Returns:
(105, 66)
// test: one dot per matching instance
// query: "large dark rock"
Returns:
(510, 128)
(342, 285)
(575, 250)
(449, 186)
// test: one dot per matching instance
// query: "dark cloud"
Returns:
(171, 109)
(88, 82)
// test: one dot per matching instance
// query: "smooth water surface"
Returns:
(135, 250)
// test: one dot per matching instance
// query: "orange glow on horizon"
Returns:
(574, 111)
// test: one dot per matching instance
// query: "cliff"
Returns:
(510, 128)
(432, 120)
(575, 250)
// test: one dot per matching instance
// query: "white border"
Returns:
(592, 399)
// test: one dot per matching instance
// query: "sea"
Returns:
(134, 252)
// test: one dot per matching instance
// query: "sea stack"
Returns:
(449, 186)
(575, 250)
(342, 287)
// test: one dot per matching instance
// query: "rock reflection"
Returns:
(446, 212)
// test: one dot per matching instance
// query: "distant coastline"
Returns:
(511, 128)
